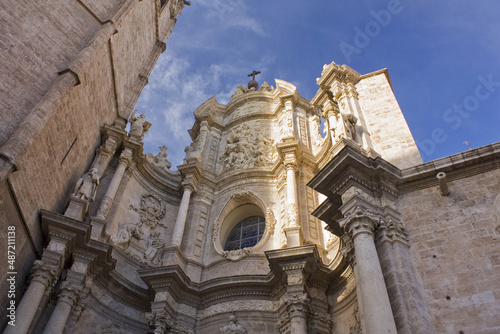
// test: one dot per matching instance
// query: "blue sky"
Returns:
(442, 56)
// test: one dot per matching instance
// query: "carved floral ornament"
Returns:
(44, 273)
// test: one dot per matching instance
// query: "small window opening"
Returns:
(247, 233)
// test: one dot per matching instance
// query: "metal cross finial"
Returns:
(253, 74)
(467, 143)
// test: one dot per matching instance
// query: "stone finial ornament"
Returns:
(253, 85)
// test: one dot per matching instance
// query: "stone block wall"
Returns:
(69, 68)
(385, 122)
(455, 245)
(40, 39)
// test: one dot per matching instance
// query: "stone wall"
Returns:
(385, 122)
(69, 68)
(455, 245)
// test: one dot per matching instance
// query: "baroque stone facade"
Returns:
(270, 225)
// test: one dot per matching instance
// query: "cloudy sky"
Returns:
(442, 56)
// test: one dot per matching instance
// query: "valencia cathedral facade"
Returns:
(287, 215)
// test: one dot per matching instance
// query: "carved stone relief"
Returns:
(286, 125)
(144, 241)
(355, 328)
(248, 148)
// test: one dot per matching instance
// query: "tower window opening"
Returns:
(247, 233)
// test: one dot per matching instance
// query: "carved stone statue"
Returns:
(86, 187)
(160, 160)
(122, 237)
(350, 122)
(153, 253)
(139, 126)
(233, 327)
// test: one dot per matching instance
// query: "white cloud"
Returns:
(231, 13)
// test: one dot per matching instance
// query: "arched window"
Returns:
(247, 233)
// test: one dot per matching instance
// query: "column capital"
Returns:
(188, 185)
(161, 320)
(358, 221)
(347, 250)
(330, 108)
(125, 160)
(297, 305)
(290, 165)
(392, 230)
(69, 292)
(44, 273)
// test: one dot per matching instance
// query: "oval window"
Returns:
(247, 233)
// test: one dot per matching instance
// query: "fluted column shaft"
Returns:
(44, 277)
(124, 162)
(180, 222)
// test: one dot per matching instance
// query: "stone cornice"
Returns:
(150, 178)
(456, 166)
(351, 167)
(177, 283)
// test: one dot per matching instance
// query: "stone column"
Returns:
(69, 293)
(377, 316)
(124, 161)
(43, 279)
(293, 230)
(291, 194)
(298, 307)
(180, 222)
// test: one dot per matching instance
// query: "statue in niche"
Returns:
(233, 327)
(239, 91)
(138, 126)
(349, 123)
(315, 130)
(86, 187)
(160, 160)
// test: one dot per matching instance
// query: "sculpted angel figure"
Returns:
(86, 187)
(138, 126)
